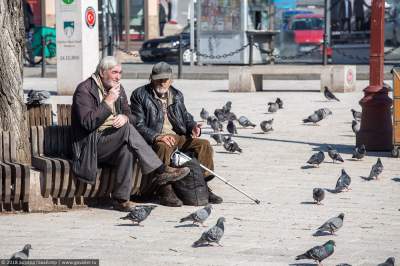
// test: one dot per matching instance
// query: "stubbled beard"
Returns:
(161, 91)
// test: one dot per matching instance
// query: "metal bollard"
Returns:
(251, 43)
(43, 57)
(180, 57)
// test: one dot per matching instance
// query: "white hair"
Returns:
(107, 63)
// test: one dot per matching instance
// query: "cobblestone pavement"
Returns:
(270, 169)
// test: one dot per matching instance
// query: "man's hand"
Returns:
(112, 95)
(167, 139)
(120, 120)
(196, 131)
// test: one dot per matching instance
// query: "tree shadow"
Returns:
(186, 225)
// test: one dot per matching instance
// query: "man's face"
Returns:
(161, 86)
(111, 77)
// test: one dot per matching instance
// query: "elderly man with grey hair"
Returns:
(164, 122)
(103, 133)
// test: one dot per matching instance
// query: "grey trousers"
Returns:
(120, 148)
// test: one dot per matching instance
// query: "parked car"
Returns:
(167, 48)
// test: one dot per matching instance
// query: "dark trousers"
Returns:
(162, 25)
(359, 23)
(344, 22)
(201, 148)
(120, 148)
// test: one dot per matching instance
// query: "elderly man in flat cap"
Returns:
(162, 119)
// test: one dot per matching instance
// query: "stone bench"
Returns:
(250, 78)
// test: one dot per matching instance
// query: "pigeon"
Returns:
(279, 102)
(215, 125)
(17, 257)
(318, 253)
(220, 115)
(376, 169)
(37, 97)
(204, 114)
(329, 95)
(389, 262)
(355, 126)
(316, 158)
(139, 214)
(212, 235)
(324, 112)
(318, 195)
(227, 107)
(332, 225)
(231, 146)
(266, 126)
(230, 116)
(217, 137)
(343, 182)
(198, 216)
(231, 127)
(210, 119)
(273, 107)
(245, 122)
(335, 156)
(317, 116)
(359, 152)
(356, 115)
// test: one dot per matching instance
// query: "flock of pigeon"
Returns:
(216, 122)
(215, 233)
(212, 235)
(319, 253)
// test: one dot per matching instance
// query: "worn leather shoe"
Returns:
(212, 198)
(168, 197)
(171, 175)
(123, 205)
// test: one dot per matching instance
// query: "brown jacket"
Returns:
(87, 115)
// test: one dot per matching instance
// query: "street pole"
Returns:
(376, 121)
(104, 29)
(327, 13)
(191, 31)
(180, 57)
(127, 23)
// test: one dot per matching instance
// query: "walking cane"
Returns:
(179, 158)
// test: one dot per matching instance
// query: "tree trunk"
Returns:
(12, 43)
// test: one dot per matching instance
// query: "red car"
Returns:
(308, 31)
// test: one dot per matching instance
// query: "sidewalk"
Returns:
(269, 168)
(220, 72)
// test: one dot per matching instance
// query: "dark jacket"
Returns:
(88, 114)
(149, 117)
(342, 9)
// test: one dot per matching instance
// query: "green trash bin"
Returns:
(50, 36)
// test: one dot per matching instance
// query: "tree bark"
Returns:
(12, 107)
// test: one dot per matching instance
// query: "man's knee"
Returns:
(204, 144)
(162, 147)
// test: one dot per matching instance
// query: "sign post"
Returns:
(77, 42)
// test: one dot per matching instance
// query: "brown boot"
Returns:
(168, 196)
(171, 175)
(123, 205)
